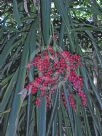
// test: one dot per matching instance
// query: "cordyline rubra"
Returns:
(54, 68)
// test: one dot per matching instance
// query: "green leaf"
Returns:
(87, 130)
(16, 12)
(7, 49)
(8, 92)
(95, 120)
(45, 20)
(42, 117)
(53, 114)
(95, 90)
(66, 17)
(95, 47)
(54, 126)
(66, 93)
(60, 130)
(61, 34)
(30, 105)
(18, 98)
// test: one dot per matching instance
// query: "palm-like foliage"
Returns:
(26, 28)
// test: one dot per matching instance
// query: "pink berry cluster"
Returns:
(53, 68)
(77, 84)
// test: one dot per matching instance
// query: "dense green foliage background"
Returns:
(26, 28)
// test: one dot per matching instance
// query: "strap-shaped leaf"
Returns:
(18, 98)
(16, 12)
(67, 21)
(30, 105)
(95, 90)
(45, 19)
(8, 92)
(69, 111)
(97, 124)
(53, 112)
(41, 118)
(99, 56)
(7, 49)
